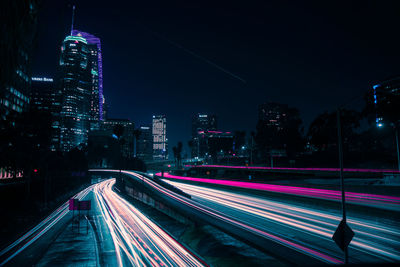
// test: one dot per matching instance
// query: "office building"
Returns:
(387, 101)
(112, 126)
(160, 141)
(273, 114)
(76, 88)
(95, 65)
(45, 96)
(144, 143)
(19, 24)
(201, 123)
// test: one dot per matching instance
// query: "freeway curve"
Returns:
(127, 236)
(376, 240)
(296, 232)
(290, 250)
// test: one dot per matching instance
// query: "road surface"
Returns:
(376, 239)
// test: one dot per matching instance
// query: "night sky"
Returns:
(173, 57)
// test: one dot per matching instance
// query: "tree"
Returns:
(322, 133)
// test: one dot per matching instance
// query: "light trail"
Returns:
(136, 237)
(294, 169)
(373, 238)
(384, 201)
(39, 230)
(218, 215)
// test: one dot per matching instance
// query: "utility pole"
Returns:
(396, 129)
(340, 145)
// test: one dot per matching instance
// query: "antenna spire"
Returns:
(73, 15)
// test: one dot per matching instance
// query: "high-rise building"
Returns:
(201, 123)
(160, 141)
(127, 136)
(387, 101)
(76, 87)
(95, 65)
(45, 96)
(144, 143)
(19, 23)
(273, 114)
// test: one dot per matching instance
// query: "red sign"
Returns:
(73, 204)
(84, 205)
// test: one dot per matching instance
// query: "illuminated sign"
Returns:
(42, 79)
(202, 116)
(75, 38)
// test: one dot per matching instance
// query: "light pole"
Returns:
(340, 145)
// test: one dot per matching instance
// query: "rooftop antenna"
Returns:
(73, 14)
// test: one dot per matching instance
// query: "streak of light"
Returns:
(300, 191)
(39, 230)
(375, 238)
(136, 237)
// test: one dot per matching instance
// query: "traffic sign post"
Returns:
(343, 236)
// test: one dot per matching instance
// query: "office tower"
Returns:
(95, 65)
(201, 123)
(160, 141)
(387, 102)
(76, 88)
(45, 96)
(144, 143)
(127, 138)
(273, 114)
(19, 23)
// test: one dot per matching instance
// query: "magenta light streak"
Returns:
(294, 169)
(302, 191)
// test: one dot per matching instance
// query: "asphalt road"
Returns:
(376, 239)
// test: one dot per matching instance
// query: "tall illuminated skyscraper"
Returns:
(95, 65)
(76, 87)
(160, 141)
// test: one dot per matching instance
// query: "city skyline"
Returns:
(281, 61)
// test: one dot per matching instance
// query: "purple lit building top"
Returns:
(91, 39)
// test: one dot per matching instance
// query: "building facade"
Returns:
(46, 96)
(387, 102)
(273, 114)
(144, 143)
(127, 129)
(201, 123)
(95, 64)
(19, 21)
(76, 92)
(160, 141)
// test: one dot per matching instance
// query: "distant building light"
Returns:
(202, 116)
(380, 124)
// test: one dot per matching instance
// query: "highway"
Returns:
(371, 200)
(128, 236)
(22, 246)
(376, 239)
(138, 240)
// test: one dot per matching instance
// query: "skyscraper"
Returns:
(95, 65)
(127, 128)
(144, 143)
(201, 123)
(45, 96)
(19, 22)
(273, 114)
(160, 141)
(76, 87)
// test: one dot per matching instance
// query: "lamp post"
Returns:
(340, 145)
